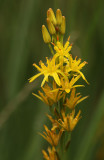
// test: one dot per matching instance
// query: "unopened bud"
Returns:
(46, 35)
(51, 26)
(59, 16)
(63, 25)
(51, 16)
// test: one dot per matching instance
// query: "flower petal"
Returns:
(80, 100)
(45, 79)
(34, 77)
(56, 78)
(37, 96)
(73, 80)
(36, 66)
(77, 86)
(82, 75)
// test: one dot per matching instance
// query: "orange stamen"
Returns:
(57, 38)
(68, 38)
(52, 43)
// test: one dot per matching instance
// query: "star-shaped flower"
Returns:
(51, 69)
(52, 154)
(51, 136)
(69, 121)
(75, 65)
(74, 99)
(68, 85)
(62, 51)
(51, 95)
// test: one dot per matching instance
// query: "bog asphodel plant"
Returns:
(60, 80)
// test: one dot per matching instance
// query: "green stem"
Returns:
(58, 156)
(64, 145)
(61, 38)
(50, 47)
(54, 38)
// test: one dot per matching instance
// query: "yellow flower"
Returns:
(74, 120)
(51, 95)
(52, 154)
(44, 98)
(68, 85)
(51, 136)
(75, 65)
(51, 69)
(64, 122)
(74, 99)
(62, 51)
(55, 125)
(68, 122)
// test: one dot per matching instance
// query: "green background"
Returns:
(21, 114)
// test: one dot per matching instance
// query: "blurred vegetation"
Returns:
(21, 115)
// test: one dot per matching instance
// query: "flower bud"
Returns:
(59, 16)
(46, 35)
(51, 26)
(63, 25)
(51, 16)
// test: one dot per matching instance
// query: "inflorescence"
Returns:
(61, 73)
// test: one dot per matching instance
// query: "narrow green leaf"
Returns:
(84, 146)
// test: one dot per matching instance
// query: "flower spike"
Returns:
(61, 74)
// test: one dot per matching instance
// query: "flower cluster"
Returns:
(60, 76)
